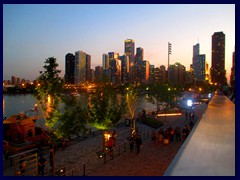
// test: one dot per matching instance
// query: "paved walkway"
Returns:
(153, 159)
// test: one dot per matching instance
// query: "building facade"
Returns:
(176, 74)
(199, 63)
(218, 72)
(82, 67)
(69, 68)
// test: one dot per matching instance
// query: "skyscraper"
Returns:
(218, 72)
(82, 67)
(139, 55)
(88, 68)
(69, 68)
(199, 63)
(105, 61)
(145, 71)
(125, 68)
(129, 49)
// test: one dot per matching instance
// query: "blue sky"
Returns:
(32, 33)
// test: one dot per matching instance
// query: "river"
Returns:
(17, 103)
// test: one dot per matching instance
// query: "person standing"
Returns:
(131, 143)
(138, 143)
(154, 136)
(41, 165)
(177, 133)
(185, 133)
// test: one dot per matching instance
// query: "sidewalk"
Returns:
(153, 159)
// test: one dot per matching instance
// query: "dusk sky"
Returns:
(32, 33)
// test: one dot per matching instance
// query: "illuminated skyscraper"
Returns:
(82, 67)
(125, 68)
(129, 49)
(218, 72)
(105, 61)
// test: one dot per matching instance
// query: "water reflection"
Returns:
(14, 104)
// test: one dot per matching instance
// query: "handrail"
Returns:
(210, 148)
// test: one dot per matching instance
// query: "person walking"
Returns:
(138, 143)
(41, 165)
(131, 143)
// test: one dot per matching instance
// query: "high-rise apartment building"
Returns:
(105, 61)
(176, 74)
(82, 67)
(69, 68)
(129, 49)
(218, 72)
(113, 55)
(145, 68)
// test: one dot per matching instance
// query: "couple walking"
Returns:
(138, 141)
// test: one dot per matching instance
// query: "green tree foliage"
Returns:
(104, 108)
(50, 86)
(161, 94)
(74, 118)
(131, 95)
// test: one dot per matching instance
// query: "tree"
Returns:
(49, 92)
(104, 108)
(131, 95)
(161, 95)
(74, 118)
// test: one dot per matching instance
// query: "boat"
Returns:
(20, 134)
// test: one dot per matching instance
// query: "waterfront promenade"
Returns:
(153, 159)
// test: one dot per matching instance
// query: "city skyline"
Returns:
(42, 31)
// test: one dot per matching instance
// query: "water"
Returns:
(15, 104)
